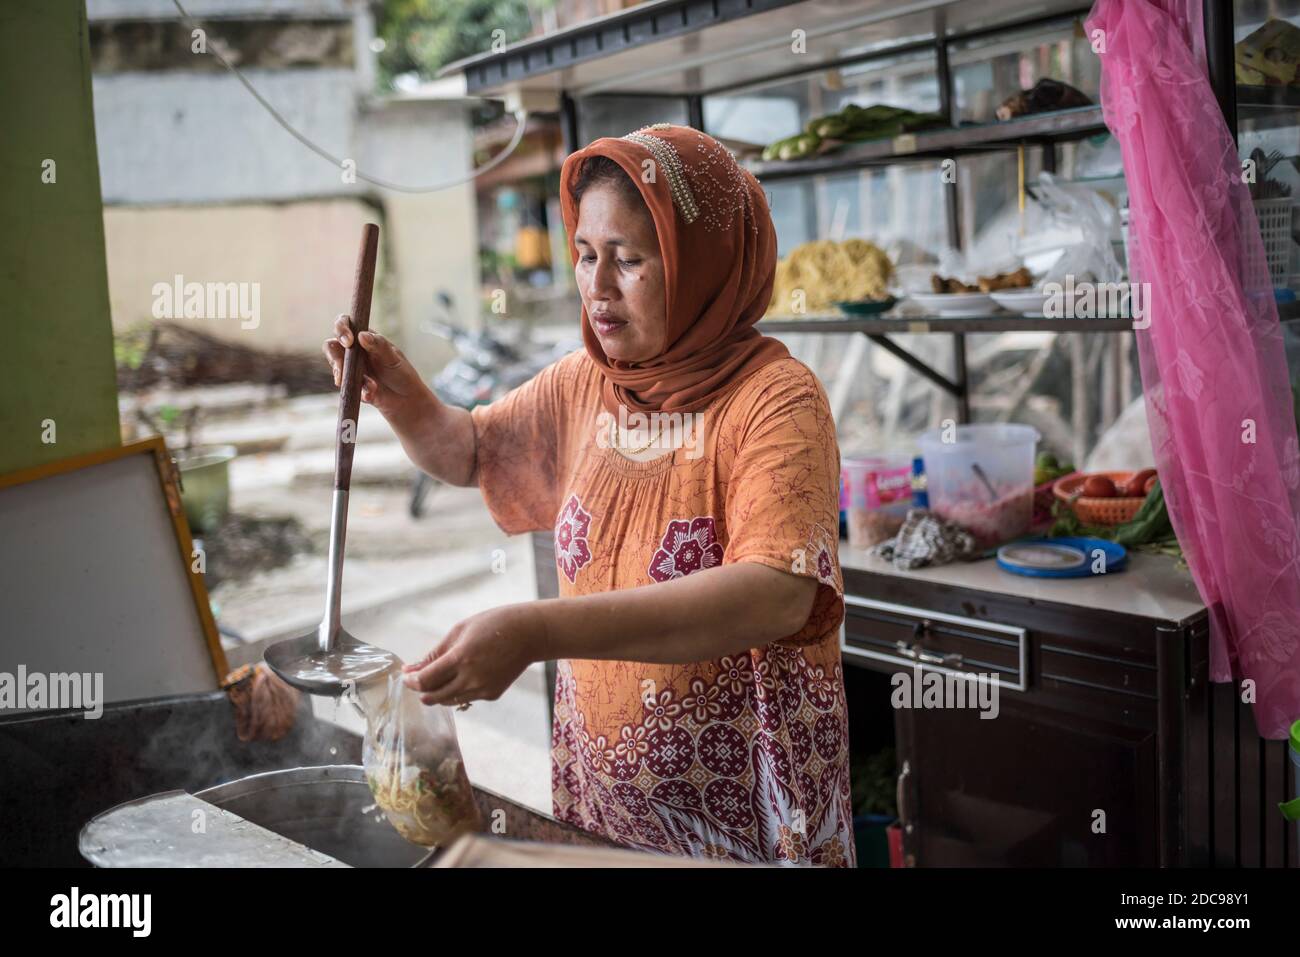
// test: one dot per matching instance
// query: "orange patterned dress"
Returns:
(745, 757)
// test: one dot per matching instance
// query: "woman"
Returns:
(700, 701)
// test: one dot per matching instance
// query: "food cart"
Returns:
(1115, 748)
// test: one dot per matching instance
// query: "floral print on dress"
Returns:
(571, 548)
(687, 546)
(822, 547)
(683, 780)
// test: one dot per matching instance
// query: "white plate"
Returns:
(1033, 303)
(1027, 302)
(954, 304)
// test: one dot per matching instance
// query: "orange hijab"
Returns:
(719, 253)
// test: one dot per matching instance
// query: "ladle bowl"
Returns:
(302, 663)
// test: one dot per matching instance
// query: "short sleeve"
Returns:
(516, 450)
(782, 499)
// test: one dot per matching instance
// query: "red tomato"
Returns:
(1136, 487)
(1098, 486)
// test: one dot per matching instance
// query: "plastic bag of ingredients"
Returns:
(413, 765)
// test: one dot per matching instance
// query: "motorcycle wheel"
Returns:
(421, 486)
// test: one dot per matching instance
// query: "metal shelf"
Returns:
(1264, 98)
(927, 324)
(693, 47)
(879, 329)
(942, 142)
(923, 325)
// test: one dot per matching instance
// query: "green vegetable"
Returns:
(798, 147)
(851, 124)
(917, 121)
(1150, 524)
(1048, 469)
(859, 117)
(1149, 530)
(830, 126)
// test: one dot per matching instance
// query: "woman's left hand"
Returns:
(480, 657)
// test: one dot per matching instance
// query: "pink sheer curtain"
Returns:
(1214, 371)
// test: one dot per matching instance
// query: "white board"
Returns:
(92, 581)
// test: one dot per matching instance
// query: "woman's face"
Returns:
(620, 275)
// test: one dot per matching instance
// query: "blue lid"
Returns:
(1114, 557)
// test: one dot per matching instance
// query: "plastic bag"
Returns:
(1076, 236)
(413, 765)
(1065, 229)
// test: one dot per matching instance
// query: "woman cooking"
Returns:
(699, 704)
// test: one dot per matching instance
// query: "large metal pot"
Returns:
(323, 808)
(327, 809)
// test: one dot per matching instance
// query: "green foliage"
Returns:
(873, 784)
(131, 345)
(422, 36)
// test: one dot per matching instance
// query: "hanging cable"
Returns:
(521, 118)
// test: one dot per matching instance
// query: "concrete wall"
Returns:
(53, 286)
(198, 138)
(432, 237)
(200, 180)
(300, 255)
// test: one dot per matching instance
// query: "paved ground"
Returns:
(406, 581)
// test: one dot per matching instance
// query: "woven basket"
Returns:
(1274, 217)
(1099, 511)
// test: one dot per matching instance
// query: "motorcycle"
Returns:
(484, 368)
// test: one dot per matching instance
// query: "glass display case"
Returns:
(1266, 73)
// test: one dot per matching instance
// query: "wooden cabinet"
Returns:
(1106, 749)
(1058, 767)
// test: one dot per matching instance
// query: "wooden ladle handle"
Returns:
(354, 358)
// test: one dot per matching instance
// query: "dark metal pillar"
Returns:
(1220, 59)
(569, 123)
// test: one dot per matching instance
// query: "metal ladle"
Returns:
(328, 661)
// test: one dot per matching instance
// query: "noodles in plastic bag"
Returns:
(413, 765)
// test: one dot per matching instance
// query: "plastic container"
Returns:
(879, 493)
(1003, 453)
(205, 477)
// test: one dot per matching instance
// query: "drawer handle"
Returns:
(925, 657)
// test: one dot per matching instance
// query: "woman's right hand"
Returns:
(390, 383)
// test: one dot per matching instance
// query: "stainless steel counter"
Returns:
(1151, 586)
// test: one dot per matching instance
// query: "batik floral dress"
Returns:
(744, 757)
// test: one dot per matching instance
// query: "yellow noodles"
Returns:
(427, 802)
(816, 275)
